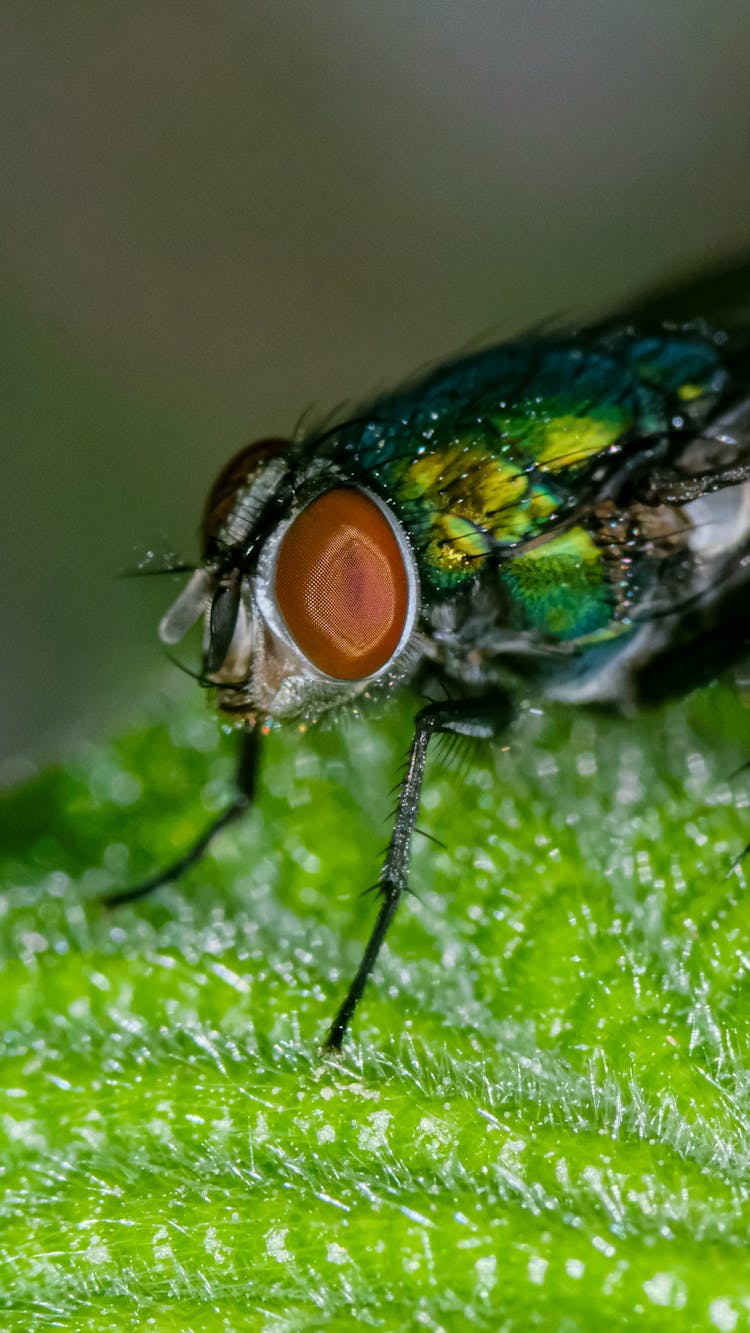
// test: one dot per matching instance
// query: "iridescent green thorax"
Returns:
(496, 451)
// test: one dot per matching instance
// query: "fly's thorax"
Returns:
(310, 593)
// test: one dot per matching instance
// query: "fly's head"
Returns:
(308, 588)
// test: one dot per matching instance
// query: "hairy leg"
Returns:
(481, 718)
(247, 769)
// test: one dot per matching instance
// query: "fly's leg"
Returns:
(247, 770)
(481, 718)
(662, 488)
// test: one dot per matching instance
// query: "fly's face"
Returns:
(309, 588)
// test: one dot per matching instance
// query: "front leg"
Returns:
(247, 769)
(479, 718)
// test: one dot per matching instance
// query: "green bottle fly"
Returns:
(566, 515)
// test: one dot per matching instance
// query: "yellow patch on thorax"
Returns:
(568, 441)
(470, 492)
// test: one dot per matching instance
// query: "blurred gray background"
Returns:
(215, 215)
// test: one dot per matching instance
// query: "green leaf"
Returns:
(542, 1116)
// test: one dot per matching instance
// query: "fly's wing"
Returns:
(719, 296)
(706, 479)
(708, 437)
(718, 300)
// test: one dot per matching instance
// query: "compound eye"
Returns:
(342, 586)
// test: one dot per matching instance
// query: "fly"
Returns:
(566, 516)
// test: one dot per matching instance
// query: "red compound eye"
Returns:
(342, 586)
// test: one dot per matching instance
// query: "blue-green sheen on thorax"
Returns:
(488, 455)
